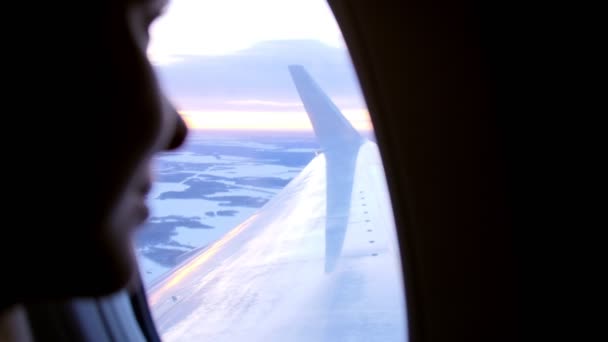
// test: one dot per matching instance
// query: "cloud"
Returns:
(212, 27)
(257, 78)
(265, 103)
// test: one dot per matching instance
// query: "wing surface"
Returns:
(319, 262)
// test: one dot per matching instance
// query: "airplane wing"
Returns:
(319, 262)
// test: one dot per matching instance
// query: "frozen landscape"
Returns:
(214, 182)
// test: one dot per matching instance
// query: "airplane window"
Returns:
(273, 222)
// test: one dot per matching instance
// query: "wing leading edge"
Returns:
(270, 278)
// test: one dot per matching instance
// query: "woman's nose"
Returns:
(179, 132)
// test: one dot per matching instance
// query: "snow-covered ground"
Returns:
(209, 187)
(190, 157)
(255, 170)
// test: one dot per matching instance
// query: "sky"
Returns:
(223, 63)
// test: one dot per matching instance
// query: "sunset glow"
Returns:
(226, 28)
(265, 121)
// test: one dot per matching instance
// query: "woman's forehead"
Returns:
(160, 3)
(156, 7)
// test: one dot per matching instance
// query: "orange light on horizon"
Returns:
(189, 268)
(265, 121)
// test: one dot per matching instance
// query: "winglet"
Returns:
(333, 131)
(340, 143)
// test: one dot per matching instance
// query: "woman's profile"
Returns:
(108, 122)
